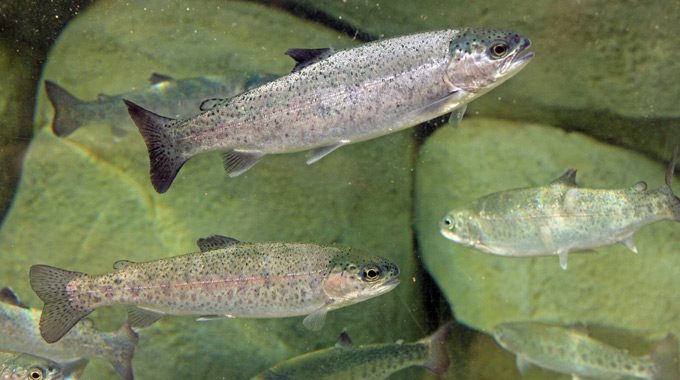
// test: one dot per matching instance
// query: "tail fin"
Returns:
(164, 158)
(439, 360)
(665, 358)
(66, 116)
(125, 341)
(58, 315)
(666, 189)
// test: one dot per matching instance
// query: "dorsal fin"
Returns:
(211, 103)
(120, 264)
(8, 296)
(343, 340)
(157, 78)
(566, 179)
(306, 57)
(214, 242)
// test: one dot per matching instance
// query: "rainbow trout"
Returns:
(227, 278)
(177, 97)
(560, 218)
(18, 366)
(20, 332)
(336, 98)
(570, 352)
(370, 362)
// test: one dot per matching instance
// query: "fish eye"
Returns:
(499, 50)
(35, 373)
(371, 274)
(448, 222)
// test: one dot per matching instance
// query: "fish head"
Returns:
(26, 367)
(461, 227)
(481, 59)
(355, 276)
(509, 336)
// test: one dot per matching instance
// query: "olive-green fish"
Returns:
(227, 278)
(574, 353)
(20, 332)
(560, 218)
(19, 366)
(336, 98)
(369, 362)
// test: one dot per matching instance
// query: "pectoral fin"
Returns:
(315, 320)
(141, 317)
(237, 162)
(457, 116)
(319, 153)
(523, 365)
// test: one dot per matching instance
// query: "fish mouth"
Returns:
(381, 288)
(518, 61)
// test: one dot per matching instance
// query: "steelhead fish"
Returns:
(570, 352)
(18, 366)
(336, 98)
(370, 362)
(177, 97)
(559, 218)
(227, 278)
(20, 332)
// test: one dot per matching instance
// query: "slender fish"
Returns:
(560, 218)
(370, 362)
(336, 98)
(20, 332)
(177, 97)
(227, 279)
(571, 352)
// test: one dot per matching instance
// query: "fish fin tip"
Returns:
(307, 57)
(238, 162)
(157, 78)
(457, 116)
(214, 242)
(629, 243)
(165, 162)
(66, 118)
(140, 318)
(439, 360)
(8, 296)
(315, 155)
(566, 179)
(316, 320)
(127, 340)
(343, 340)
(58, 316)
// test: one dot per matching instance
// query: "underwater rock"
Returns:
(615, 287)
(86, 201)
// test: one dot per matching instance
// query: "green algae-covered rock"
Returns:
(615, 288)
(86, 201)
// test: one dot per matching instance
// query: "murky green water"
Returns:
(600, 96)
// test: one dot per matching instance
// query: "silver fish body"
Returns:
(334, 99)
(177, 97)
(559, 218)
(20, 332)
(19, 366)
(562, 350)
(370, 362)
(227, 279)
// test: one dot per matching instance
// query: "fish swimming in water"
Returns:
(562, 350)
(559, 218)
(336, 98)
(227, 279)
(20, 332)
(19, 366)
(370, 362)
(177, 97)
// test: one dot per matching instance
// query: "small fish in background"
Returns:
(20, 332)
(227, 279)
(336, 98)
(563, 350)
(370, 362)
(19, 366)
(178, 97)
(559, 218)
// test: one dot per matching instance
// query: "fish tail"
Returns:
(665, 358)
(66, 117)
(163, 156)
(126, 341)
(439, 360)
(666, 189)
(59, 315)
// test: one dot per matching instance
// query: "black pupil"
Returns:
(447, 222)
(36, 375)
(372, 273)
(499, 49)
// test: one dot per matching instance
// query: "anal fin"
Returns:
(457, 116)
(321, 152)
(140, 317)
(237, 162)
(629, 243)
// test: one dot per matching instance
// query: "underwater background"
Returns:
(601, 96)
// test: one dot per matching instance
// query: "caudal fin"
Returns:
(163, 156)
(125, 341)
(67, 117)
(665, 358)
(674, 200)
(58, 315)
(439, 359)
